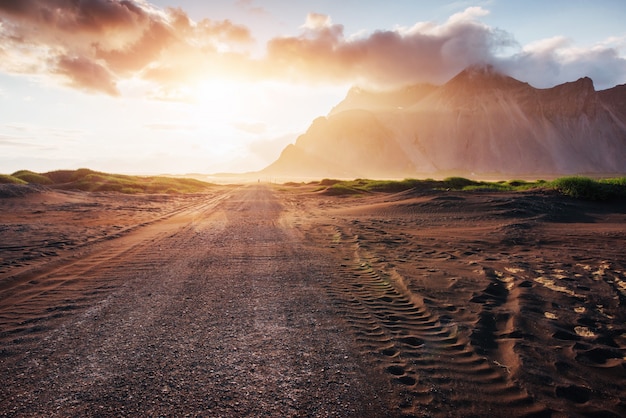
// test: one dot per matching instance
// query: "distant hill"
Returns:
(480, 122)
(95, 181)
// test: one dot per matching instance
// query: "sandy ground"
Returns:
(278, 301)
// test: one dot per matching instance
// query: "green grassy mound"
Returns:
(31, 177)
(94, 181)
(590, 189)
(577, 187)
(8, 179)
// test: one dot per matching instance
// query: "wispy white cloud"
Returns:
(9, 141)
(251, 127)
(37, 136)
(556, 60)
(248, 6)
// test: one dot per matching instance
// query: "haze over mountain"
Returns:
(481, 122)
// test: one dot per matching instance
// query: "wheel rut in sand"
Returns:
(435, 369)
(230, 319)
(239, 308)
(77, 281)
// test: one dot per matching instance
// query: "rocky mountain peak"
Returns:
(483, 76)
(581, 88)
(569, 99)
(480, 122)
(480, 70)
(477, 81)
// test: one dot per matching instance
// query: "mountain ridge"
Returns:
(480, 122)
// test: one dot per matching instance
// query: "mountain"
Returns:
(479, 122)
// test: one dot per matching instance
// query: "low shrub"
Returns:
(582, 188)
(391, 186)
(488, 187)
(329, 182)
(458, 183)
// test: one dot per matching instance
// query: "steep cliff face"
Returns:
(615, 99)
(480, 122)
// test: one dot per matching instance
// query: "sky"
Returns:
(201, 86)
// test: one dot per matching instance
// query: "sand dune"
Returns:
(284, 301)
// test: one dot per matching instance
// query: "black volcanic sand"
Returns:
(281, 301)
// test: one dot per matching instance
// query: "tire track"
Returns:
(435, 369)
(83, 249)
(232, 321)
(74, 283)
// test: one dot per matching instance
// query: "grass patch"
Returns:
(67, 176)
(618, 181)
(88, 180)
(8, 179)
(576, 187)
(329, 182)
(388, 186)
(490, 187)
(590, 189)
(32, 177)
(459, 183)
(517, 183)
(340, 189)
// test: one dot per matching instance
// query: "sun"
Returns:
(221, 99)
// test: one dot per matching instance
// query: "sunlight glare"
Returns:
(219, 99)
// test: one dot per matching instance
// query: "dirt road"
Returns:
(219, 310)
(281, 301)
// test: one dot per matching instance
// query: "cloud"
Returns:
(22, 132)
(96, 45)
(247, 5)
(318, 22)
(470, 13)
(86, 74)
(431, 52)
(73, 16)
(23, 143)
(424, 52)
(8, 141)
(555, 60)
